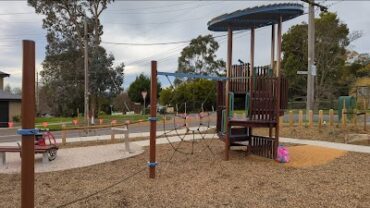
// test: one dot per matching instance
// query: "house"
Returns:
(10, 104)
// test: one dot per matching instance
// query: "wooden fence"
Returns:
(347, 119)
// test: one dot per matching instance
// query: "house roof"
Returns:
(3, 74)
(255, 17)
(7, 96)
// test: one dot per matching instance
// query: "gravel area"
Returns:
(201, 180)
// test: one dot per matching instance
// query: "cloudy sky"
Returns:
(159, 21)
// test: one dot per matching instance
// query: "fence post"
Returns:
(64, 134)
(310, 118)
(112, 133)
(354, 118)
(365, 122)
(320, 118)
(300, 119)
(291, 119)
(127, 140)
(331, 117)
(344, 118)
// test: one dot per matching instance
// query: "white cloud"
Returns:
(147, 22)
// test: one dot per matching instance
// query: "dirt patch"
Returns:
(306, 156)
(201, 179)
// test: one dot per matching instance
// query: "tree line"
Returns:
(63, 67)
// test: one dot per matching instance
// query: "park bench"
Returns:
(49, 152)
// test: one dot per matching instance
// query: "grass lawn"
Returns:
(55, 123)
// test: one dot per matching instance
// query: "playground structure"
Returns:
(264, 88)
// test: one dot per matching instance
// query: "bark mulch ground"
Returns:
(201, 180)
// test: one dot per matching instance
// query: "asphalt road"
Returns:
(9, 135)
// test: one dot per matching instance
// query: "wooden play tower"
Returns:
(263, 89)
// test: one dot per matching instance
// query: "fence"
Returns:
(326, 118)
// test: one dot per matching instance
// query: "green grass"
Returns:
(55, 123)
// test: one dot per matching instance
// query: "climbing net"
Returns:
(189, 124)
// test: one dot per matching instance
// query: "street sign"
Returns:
(144, 93)
(314, 70)
(302, 72)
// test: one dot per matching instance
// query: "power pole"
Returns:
(311, 53)
(311, 57)
(86, 62)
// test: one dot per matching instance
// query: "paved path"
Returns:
(69, 158)
(333, 145)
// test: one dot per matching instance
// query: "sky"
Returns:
(160, 21)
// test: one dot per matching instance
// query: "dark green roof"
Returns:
(256, 17)
(3, 74)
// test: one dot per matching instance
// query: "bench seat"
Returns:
(48, 152)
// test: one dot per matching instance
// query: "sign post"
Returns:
(144, 93)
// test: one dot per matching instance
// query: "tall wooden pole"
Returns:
(227, 90)
(252, 66)
(278, 71)
(28, 122)
(311, 56)
(86, 63)
(153, 119)
(272, 46)
(252, 75)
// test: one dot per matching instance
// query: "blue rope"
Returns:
(152, 164)
(28, 132)
(152, 118)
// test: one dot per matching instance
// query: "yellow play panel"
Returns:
(306, 156)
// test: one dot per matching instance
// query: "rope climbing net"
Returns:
(191, 120)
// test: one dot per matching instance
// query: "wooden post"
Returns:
(112, 136)
(331, 117)
(228, 68)
(365, 115)
(278, 68)
(272, 46)
(310, 118)
(64, 134)
(291, 119)
(300, 118)
(344, 118)
(321, 114)
(153, 119)
(365, 121)
(127, 140)
(354, 118)
(28, 122)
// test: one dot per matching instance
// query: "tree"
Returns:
(8, 88)
(64, 66)
(198, 94)
(294, 47)
(14, 91)
(141, 83)
(199, 57)
(332, 37)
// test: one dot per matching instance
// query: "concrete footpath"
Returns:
(69, 158)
